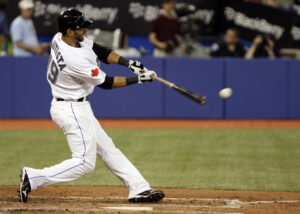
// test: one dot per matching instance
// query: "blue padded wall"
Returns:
(200, 76)
(6, 87)
(32, 91)
(135, 101)
(260, 89)
(294, 90)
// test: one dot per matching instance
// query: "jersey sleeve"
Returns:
(88, 73)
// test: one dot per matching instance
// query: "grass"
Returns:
(207, 159)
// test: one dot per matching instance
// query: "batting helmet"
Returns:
(73, 19)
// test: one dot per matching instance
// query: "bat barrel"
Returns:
(191, 95)
(185, 92)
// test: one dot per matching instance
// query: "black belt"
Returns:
(79, 100)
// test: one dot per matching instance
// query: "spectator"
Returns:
(255, 1)
(25, 42)
(272, 3)
(284, 2)
(263, 46)
(267, 2)
(230, 47)
(3, 24)
(164, 33)
(296, 6)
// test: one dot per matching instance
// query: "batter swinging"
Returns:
(73, 73)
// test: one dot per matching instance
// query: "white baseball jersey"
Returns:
(73, 72)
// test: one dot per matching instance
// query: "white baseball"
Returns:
(225, 93)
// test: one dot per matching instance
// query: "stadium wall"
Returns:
(262, 89)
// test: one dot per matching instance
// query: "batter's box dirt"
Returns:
(88, 199)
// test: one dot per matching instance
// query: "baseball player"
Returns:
(73, 72)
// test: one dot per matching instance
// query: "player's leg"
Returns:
(119, 165)
(74, 119)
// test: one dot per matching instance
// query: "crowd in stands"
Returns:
(164, 34)
(290, 5)
(3, 24)
(22, 31)
(263, 46)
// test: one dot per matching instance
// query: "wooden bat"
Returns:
(185, 92)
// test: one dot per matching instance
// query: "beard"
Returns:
(79, 37)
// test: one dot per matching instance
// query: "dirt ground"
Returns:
(95, 199)
(13, 124)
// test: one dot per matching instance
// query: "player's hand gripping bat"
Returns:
(187, 93)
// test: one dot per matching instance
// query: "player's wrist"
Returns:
(123, 61)
(132, 80)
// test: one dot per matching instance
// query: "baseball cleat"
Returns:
(150, 196)
(24, 187)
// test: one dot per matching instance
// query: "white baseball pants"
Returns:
(86, 139)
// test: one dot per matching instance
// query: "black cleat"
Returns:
(150, 196)
(24, 187)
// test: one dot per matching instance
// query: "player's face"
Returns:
(79, 34)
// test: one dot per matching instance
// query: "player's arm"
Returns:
(108, 56)
(118, 82)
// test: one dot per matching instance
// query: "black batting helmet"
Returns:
(73, 19)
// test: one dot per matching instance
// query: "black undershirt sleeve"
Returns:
(123, 61)
(132, 80)
(102, 52)
(109, 82)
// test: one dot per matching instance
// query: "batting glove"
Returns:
(136, 67)
(146, 76)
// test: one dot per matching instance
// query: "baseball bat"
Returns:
(185, 92)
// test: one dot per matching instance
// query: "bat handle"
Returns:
(162, 81)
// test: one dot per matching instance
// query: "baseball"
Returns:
(225, 93)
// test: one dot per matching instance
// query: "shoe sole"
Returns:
(152, 198)
(22, 176)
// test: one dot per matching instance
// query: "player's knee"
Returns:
(89, 165)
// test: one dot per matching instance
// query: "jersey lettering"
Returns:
(58, 56)
(53, 72)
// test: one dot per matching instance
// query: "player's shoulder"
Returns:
(87, 42)
(58, 43)
(71, 55)
(56, 38)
